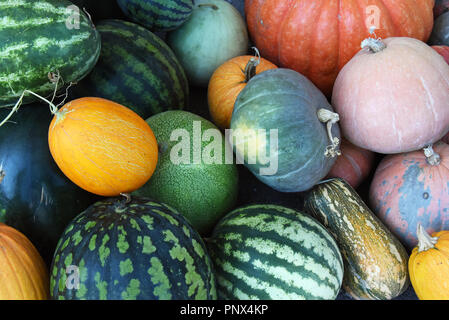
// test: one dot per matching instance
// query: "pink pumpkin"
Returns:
(443, 51)
(393, 96)
(407, 190)
(354, 164)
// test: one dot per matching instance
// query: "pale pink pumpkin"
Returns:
(354, 164)
(443, 51)
(393, 96)
(406, 190)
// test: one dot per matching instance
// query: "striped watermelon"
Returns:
(136, 69)
(137, 250)
(41, 37)
(272, 252)
(157, 15)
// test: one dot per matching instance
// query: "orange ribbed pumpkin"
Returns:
(429, 265)
(102, 146)
(318, 37)
(226, 83)
(23, 274)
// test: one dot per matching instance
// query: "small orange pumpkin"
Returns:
(23, 274)
(429, 265)
(226, 83)
(102, 146)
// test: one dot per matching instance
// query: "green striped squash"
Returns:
(157, 15)
(136, 250)
(136, 69)
(41, 37)
(273, 252)
(375, 260)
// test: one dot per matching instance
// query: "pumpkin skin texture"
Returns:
(403, 106)
(214, 33)
(103, 147)
(354, 165)
(289, 103)
(227, 81)
(23, 274)
(202, 191)
(406, 190)
(441, 6)
(429, 266)
(375, 260)
(291, 34)
(36, 198)
(443, 51)
(440, 32)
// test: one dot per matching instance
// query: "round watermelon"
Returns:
(193, 173)
(273, 252)
(135, 69)
(135, 250)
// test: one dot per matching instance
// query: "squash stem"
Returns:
(213, 6)
(250, 68)
(330, 118)
(425, 241)
(374, 45)
(432, 158)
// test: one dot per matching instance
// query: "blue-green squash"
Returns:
(299, 138)
(43, 43)
(271, 252)
(131, 249)
(440, 31)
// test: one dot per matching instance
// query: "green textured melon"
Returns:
(157, 15)
(136, 69)
(273, 252)
(203, 192)
(40, 37)
(140, 250)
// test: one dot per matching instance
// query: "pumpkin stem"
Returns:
(432, 157)
(330, 118)
(425, 241)
(374, 45)
(2, 173)
(250, 69)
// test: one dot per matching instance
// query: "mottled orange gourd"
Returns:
(23, 274)
(318, 37)
(103, 147)
(429, 265)
(227, 81)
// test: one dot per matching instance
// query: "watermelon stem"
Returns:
(330, 118)
(432, 157)
(425, 241)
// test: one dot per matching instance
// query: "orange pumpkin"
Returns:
(23, 274)
(102, 146)
(226, 83)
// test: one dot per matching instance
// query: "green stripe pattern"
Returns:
(142, 250)
(40, 37)
(157, 15)
(271, 252)
(136, 69)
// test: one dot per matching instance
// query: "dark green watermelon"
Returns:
(140, 250)
(136, 69)
(100, 9)
(157, 15)
(35, 196)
